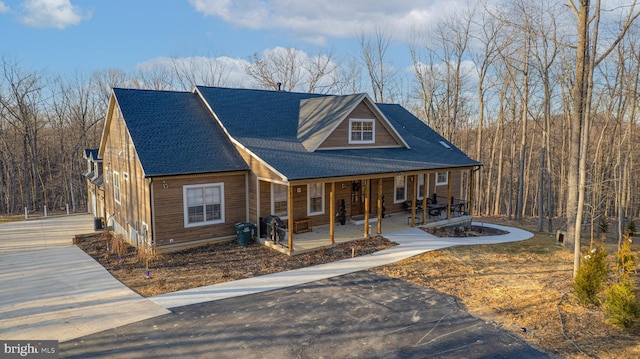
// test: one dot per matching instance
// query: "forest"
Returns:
(543, 93)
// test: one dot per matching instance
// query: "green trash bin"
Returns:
(245, 232)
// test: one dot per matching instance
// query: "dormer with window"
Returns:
(345, 122)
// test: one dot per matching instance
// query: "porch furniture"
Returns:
(306, 222)
(435, 210)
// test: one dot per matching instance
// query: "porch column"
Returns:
(332, 215)
(471, 184)
(449, 195)
(365, 190)
(413, 200)
(424, 198)
(379, 205)
(290, 220)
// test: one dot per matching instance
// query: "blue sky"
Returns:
(64, 36)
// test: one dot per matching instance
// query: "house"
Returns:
(182, 168)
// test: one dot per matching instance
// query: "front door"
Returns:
(357, 198)
(357, 202)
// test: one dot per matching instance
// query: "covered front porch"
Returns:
(353, 230)
(314, 213)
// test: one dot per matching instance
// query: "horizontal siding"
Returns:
(169, 209)
(340, 136)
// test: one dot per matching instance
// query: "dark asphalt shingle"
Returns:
(174, 133)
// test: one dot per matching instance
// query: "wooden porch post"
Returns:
(365, 190)
(471, 174)
(332, 213)
(290, 220)
(379, 205)
(413, 201)
(424, 198)
(448, 195)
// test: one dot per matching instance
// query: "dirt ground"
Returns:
(209, 264)
(524, 287)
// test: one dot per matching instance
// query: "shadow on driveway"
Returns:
(358, 315)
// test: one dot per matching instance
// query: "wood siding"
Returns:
(339, 138)
(169, 209)
(120, 156)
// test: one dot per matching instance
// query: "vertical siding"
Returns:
(120, 156)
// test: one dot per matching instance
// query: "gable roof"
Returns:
(268, 124)
(174, 133)
(91, 154)
(320, 116)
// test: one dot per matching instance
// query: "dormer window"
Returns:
(362, 131)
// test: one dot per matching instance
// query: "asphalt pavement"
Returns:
(358, 315)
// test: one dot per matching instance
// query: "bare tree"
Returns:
(290, 69)
(373, 52)
(587, 40)
(22, 105)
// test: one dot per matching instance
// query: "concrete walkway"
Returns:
(411, 242)
(52, 290)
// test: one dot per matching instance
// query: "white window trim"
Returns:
(273, 202)
(117, 198)
(421, 177)
(373, 130)
(309, 213)
(395, 188)
(446, 181)
(186, 205)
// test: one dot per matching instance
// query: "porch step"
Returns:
(359, 220)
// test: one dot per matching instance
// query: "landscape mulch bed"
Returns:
(210, 264)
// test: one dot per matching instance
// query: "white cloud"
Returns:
(52, 13)
(3, 7)
(315, 21)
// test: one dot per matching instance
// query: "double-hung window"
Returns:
(421, 186)
(442, 178)
(279, 200)
(116, 186)
(361, 131)
(203, 204)
(400, 189)
(315, 200)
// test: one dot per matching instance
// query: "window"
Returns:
(279, 200)
(421, 186)
(400, 187)
(203, 204)
(315, 198)
(442, 178)
(116, 186)
(361, 131)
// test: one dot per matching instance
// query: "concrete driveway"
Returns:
(358, 315)
(52, 290)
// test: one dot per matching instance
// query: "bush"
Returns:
(621, 306)
(625, 263)
(592, 273)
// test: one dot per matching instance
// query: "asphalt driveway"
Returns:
(358, 315)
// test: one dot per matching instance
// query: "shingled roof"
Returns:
(174, 133)
(275, 126)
